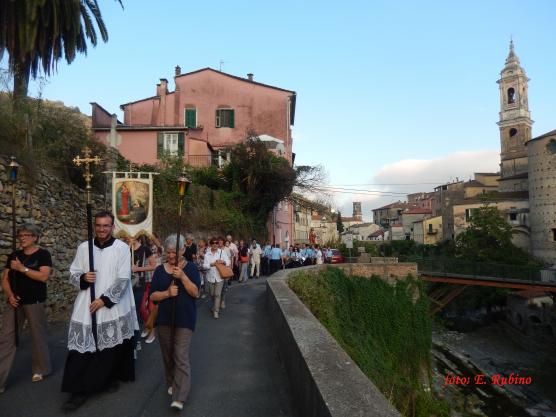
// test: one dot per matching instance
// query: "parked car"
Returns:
(337, 257)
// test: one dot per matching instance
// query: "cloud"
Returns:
(417, 175)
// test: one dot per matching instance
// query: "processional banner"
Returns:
(132, 203)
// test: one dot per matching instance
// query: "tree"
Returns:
(38, 33)
(489, 239)
(339, 223)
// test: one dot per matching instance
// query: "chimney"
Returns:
(250, 77)
(178, 70)
(162, 88)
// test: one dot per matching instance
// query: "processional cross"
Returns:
(87, 160)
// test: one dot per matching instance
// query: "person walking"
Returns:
(243, 254)
(143, 262)
(275, 259)
(24, 283)
(177, 284)
(213, 256)
(255, 252)
(96, 365)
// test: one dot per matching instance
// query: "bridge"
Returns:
(465, 273)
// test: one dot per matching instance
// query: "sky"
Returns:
(392, 96)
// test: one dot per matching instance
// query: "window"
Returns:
(513, 216)
(191, 117)
(554, 235)
(513, 132)
(170, 143)
(225, 118)
(430, 227)
(469, 213)
(511, 95)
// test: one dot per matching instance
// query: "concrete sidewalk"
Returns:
(236, 370)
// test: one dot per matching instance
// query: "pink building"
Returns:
(208, 112)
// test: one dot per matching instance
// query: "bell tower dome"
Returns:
(515, 124)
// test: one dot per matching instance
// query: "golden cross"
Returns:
(87, 160)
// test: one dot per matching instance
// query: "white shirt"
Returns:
(212, 274)
(113, 279)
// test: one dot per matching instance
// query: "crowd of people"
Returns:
(139, 289)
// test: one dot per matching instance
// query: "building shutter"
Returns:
(231, 113)
(217, 118)
(181, 143)
(159, 145)
(190, 117)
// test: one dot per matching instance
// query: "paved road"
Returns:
(236, 371)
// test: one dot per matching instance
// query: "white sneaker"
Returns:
(138, 346)
(215, 314)
(170, 391)
(177, 405)
(145, 333)
(151, 338)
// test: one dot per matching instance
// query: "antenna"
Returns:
(220, 64)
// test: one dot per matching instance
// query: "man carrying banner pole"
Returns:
(100, 335)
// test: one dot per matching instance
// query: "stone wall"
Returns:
(58, 208)
(390, 272)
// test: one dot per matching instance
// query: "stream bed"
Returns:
(487, 372)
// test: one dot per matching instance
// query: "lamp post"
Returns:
(14, 167)
(183, 184)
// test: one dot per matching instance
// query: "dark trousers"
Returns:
(275, 265)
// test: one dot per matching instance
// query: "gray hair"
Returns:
(31, 228)
(171, 241)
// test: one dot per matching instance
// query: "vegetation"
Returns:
(50, 138)
(384, 330)
(237, 199)
(36, 34)
(339, 223)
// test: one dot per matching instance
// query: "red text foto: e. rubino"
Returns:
(481, 379)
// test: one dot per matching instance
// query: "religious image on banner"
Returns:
(132, 204)
(132, 201)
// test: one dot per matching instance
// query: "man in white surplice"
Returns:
(89, 368)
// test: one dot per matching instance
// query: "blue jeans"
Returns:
(244, 276)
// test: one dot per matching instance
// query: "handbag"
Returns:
(224, 271)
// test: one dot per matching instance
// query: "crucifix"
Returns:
(86, 161)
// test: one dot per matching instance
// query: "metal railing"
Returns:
(476, 269)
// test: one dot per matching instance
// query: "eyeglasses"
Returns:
(22, 235)
(103, 226)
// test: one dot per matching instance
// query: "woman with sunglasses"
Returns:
(24, 282)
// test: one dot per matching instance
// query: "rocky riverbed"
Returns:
(486, 372)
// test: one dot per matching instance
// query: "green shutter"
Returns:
(231, 118)
(190, 117)
(181, 143)
(217, 124)
(159, 145)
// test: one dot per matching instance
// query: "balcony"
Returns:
(432, 231)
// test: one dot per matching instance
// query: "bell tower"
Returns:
(515, 124)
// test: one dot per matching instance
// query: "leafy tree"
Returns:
(262, 178)
(489, 239)
(38, 33)
(339, 223)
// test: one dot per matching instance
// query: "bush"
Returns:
(384, 331)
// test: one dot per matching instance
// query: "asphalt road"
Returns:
(236, 371)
